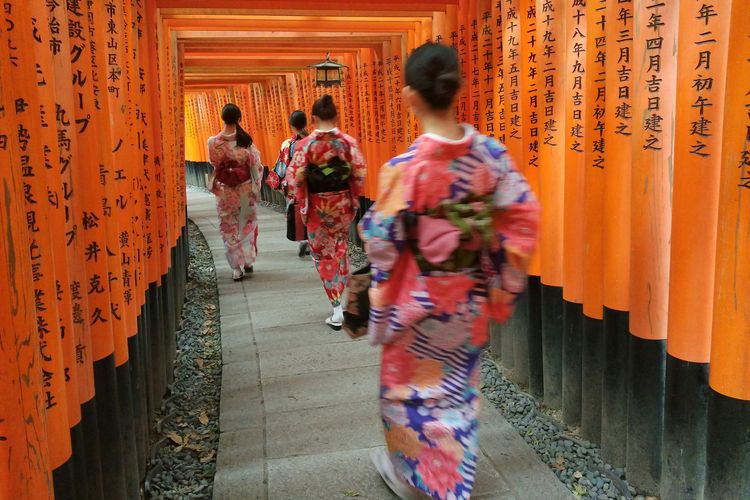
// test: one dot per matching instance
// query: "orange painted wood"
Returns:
(576, 105)
(730, 345)
(618, 140)
(552, 70)
(595, 158)
(701, 60)
(652, 166)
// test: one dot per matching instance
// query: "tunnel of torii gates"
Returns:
(630, 118)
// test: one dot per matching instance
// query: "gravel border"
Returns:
(575, 461)
(183, 457)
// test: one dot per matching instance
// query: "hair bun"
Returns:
(324, 108)
(433, 71)
(447, 82)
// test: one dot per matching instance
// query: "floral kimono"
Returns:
(449, 239)
(237, 206)
(327, 178)
(285, 158)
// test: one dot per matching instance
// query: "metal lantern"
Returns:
(328, 73)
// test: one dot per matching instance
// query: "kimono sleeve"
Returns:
(296, 179)
(255, 164)
(515, 223)
(283, 153)
(382, 227)
(213, 154)
(359, 171)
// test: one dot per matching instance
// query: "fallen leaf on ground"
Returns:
(203, 418)
(351, 493)
(176, 438)
(208, 457)
(200, 362)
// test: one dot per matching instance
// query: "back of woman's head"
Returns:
(298, 120)
(231, 115)
(433, 71)
(324, 108)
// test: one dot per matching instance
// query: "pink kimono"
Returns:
(237, 206)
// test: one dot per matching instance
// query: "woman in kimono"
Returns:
(327, 178)
(298, 124)
(449, 239)
(236, 185)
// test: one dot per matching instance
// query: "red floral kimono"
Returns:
(286, 160)
(328, 215)
(449, 239)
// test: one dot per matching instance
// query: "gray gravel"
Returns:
(575, 461)
(357, 256)
(184, 455)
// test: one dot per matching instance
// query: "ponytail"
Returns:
(231, 115)
(243, 138)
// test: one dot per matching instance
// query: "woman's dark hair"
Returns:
(324, 108)
(298, 120)
(231, 115)
(433, 71)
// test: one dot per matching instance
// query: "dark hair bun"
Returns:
(433, 71)
(324, 108)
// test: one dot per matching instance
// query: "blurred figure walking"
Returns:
(449, 238)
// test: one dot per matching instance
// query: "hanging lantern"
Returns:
(328, 73)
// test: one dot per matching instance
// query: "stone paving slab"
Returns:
(283, 338)
(315, 390)
(240, 468)
(299, 406)
(340, 427)
(317, 358)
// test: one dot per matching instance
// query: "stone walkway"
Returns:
(299, 406)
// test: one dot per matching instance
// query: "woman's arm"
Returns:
(515, 221)
(213, 160)
(255, 165)
(382, 227)
(297, 180)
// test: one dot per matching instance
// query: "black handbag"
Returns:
(357, 312)
(295, 228)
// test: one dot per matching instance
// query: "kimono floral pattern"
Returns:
(237, 206)
(433, 324)
(328, 216)
(286, 160)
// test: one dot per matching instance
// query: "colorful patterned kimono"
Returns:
(328, 215)
(237, 206)
(449, 240)
(284, 158)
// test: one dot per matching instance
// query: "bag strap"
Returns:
(291, 150)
